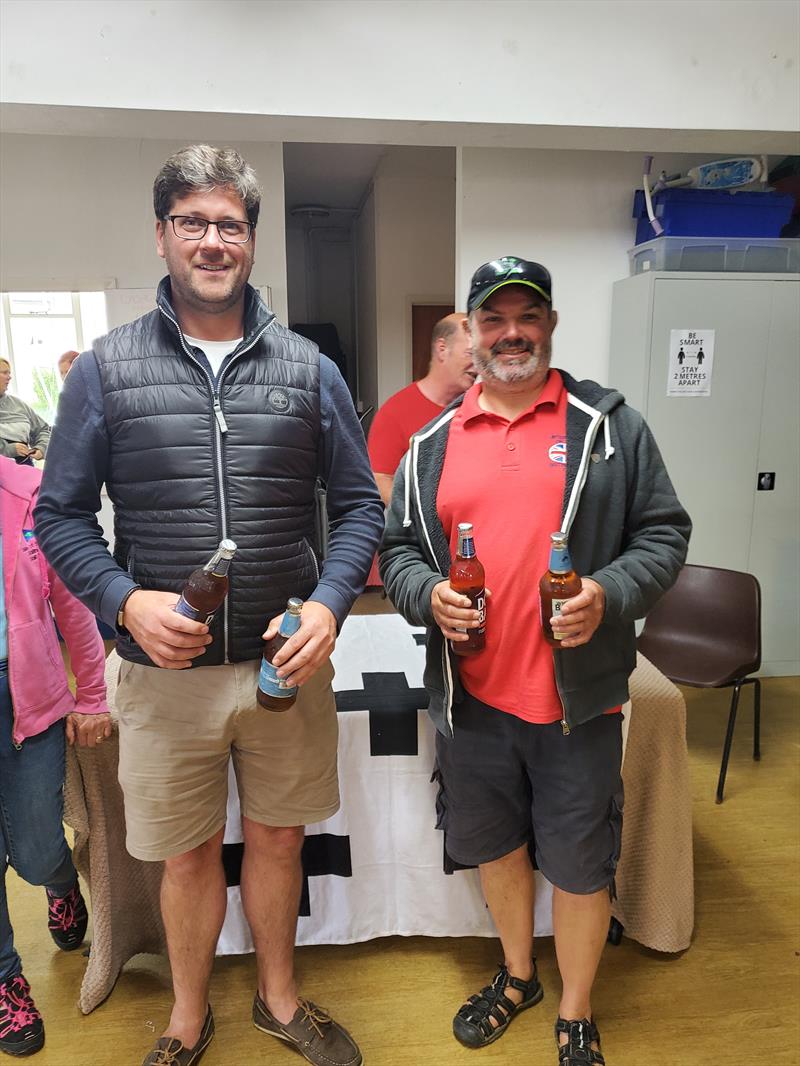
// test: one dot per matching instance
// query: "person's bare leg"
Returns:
(271, 882)
(580, 925)
(193, 901)
(509, 890)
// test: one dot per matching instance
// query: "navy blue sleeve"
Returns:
(66, 515)
(355, 509)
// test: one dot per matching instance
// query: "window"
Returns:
(38, 327)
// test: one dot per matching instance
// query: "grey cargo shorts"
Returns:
(505, 782)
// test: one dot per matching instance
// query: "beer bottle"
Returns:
(207, 586)
(273, 692)
(557, 585)
(467, 577)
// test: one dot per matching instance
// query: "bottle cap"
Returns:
(465, 527)
(293, 605)
(227, 549)
(558, 538)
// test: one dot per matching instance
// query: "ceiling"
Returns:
(188, 126)
(336, 175)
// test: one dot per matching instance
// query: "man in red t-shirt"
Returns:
(529, 741)
(449, 374)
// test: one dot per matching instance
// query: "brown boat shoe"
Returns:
(312, 1032)
(169, 1051)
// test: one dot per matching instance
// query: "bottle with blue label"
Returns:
(207, 587)
(273, 691)
(558, 584)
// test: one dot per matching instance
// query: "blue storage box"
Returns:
(713, 213)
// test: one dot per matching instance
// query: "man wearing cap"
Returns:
(450, 373)
(528, 745)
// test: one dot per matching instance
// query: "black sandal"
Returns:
(473, 1027)
(578, 1050)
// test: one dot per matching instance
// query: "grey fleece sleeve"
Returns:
(406, 569)
(656, 538)
(37, 435)
(40, 433)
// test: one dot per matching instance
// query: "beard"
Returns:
(207, 297)
(526, 365)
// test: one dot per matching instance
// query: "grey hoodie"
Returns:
(626, 529)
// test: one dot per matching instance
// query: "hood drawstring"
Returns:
(407, 515)
(607, 437)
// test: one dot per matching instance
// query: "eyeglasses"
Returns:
(191, 228)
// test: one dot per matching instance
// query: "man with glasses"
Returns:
(208, 420)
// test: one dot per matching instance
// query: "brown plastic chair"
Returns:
(706, 632)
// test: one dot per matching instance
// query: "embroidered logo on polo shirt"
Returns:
(557, 453)
(278, 400)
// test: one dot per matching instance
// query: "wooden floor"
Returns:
(731, 1000)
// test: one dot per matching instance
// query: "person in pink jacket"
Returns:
(37, 713)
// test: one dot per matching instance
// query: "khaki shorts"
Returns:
(178, 731)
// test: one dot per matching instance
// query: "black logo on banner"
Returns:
(323, 855)
(392, 707)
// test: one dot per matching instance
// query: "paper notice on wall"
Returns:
(125, 305)
(691, 359)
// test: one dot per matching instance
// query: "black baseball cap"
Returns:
(509, 270)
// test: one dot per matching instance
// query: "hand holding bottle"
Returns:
(310, 647)
(581, 615)
(168, 638)
(453, 612)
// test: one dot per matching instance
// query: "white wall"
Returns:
(320, 275)
(366, 304)
(684, 64)
(414, 250)
(76, 213)
(570, 211)
(296, 273)
(333, 281)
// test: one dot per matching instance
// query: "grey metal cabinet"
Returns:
(717, 446)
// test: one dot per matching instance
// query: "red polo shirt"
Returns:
(401, 416)
(507, 478)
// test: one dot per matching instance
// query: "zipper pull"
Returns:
(564, 727)
(220, 417)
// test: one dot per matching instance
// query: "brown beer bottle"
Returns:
(558, 584)
(468, 578)
(207, 586)
(273, 692)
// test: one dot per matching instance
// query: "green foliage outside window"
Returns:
(45, 388)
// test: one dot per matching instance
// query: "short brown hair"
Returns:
(201, 168)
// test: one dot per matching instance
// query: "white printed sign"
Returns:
(691, 359)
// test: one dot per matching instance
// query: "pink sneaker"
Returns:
(67, 918)
(21, 1025)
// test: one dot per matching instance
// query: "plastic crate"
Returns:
(713, 213)
(754, 255)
